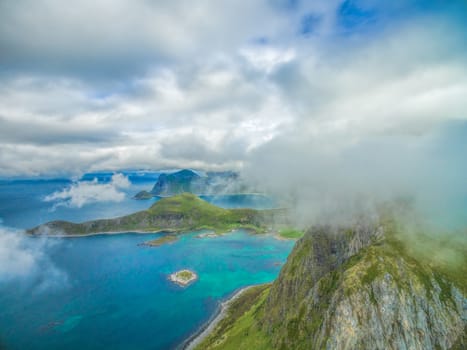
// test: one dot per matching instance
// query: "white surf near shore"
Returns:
(192, 342)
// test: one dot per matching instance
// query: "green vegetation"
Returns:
(182, 213)
(185, 275)
(444, 253)
(144, 195)
(378, 261)
(179, 182)
(239, 329)
(291, 314)
(291, 233)
(161, 240)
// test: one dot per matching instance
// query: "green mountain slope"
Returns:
(357, 288)
(185, 212)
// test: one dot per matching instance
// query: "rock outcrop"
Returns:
(355, 290)
(170, 184)
(352, 288)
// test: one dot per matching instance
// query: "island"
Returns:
(160, 241)
(187, 180)
(183, 277)
(182, 213)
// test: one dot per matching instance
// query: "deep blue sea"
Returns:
(106, 291)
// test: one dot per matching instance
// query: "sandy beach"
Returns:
(194, 340)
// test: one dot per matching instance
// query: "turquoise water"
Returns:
(109, 292)
(118, 296)
(22, 203)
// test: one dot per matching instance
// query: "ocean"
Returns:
(107, 291)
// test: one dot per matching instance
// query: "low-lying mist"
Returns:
(26, 262)
(323, 181)
(420, 179)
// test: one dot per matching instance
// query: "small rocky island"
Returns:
(160, 241)
(183, 277)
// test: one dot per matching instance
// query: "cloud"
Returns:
(115, 38)
(218, 102)
(267, 59)
(323, 181)
(26, 259)
(404, 81)
(85, 192)
(370, 125)
(367, 94)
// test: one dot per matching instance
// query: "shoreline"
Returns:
(197, 337)
(136, 232)
(176, 279)
(77, 235)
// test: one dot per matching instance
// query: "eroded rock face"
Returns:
(351, 289)
(394, 311)
(187, 180)
(319, 252)
(182, 181)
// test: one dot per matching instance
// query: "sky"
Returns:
(359, 95)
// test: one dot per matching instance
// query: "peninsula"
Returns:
(181, 213)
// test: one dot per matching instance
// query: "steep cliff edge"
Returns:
(353, 288)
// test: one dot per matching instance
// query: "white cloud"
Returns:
(85, 192)
(25, 259)
(222, 91)
(266, 58)
(120, 36)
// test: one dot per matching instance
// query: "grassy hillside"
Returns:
(185, 212)
(240, 329)
(331, 293)
(290, 233)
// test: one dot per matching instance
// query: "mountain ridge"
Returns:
(187, 180)
(184, 212)
(350, 288)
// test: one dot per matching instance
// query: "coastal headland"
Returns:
(182, 213)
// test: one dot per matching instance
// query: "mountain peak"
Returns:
(350, 288)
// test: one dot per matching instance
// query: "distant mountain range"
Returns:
(186, 180)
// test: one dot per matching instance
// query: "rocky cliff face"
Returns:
(318, 253)
(186, 180)
(176, 183)
(354, 288)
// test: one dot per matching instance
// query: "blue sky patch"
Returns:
(309, 24)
